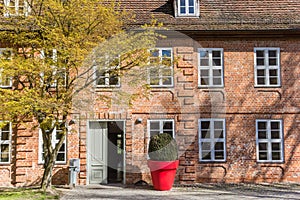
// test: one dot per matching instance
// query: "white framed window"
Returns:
(58, 76)
(186, 8)
(161, 75)
(211, 69)
(62, 152)
(5, 142)
(16, 8)
(269, 140)
(5, 55)
(267, 67)
(108, 76)
(161, 126)
(212, 140)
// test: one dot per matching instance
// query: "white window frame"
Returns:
(6, 142)
(267, 67)
(54, 68)
(177, 6)
(161, 125)
(211, 139)
(269, 141)
(107, 75)
(10, 79)
(210, 67)
(54, 141)
(162, 67)
(26, 8)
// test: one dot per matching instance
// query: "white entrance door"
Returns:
(97, 152)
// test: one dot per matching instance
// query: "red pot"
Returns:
(163, 173)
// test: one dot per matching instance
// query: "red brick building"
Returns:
(228, 91)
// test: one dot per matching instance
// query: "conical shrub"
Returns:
(162, 147)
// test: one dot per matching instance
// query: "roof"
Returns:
(220, 14)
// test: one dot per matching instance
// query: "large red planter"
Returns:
(163, 173)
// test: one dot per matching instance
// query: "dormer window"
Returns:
(16, 8)
(186, 8)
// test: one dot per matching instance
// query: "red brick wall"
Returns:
(239, 102)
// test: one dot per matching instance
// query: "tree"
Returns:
(52, 50)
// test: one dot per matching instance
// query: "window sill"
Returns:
(267, 86)
(270, 162)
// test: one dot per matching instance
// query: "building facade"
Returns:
(227, 90)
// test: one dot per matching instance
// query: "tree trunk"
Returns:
(47, 176)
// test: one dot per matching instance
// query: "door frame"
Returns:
(87, 148)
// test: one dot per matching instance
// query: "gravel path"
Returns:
(201, 191)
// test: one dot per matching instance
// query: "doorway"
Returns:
(106, 152)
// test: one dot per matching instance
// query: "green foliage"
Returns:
(25, 194)
(163, 147)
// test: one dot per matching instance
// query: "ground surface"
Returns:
(201, 191)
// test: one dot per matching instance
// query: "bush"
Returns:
(163, 147)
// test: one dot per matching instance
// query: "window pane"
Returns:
(166, 53)
(217, 81)
(262, 125)
(217, 72)
(191, 10)
(168, 125)
(204, 54)
(206, 146)
(182, 10)
(263, 146)
(62, 148)
(216, 62)
(5, 136)
(262, 134)
(205, 134)
(4, 148)
(154, 81)
(166, 71)
(4, 157)
(60, 157)
(154, 125)
(169, 132)
(154, 133)
(219, 155)
(204, 72)
(272, 53)
(167, 81)
(191, 3)
(260, 53)
(204, 81)
(219, 134)
(261, 81)
(275, 135)
(261, 72)
(273, 72)
(273, 81)
(114, 80)
(206, 155)
(205, 124)
(260, 61)
(219, 146)
(218, 124)
(276, 156)
(272, 61)
(204, 62)
(275, 125)
(263, 156)
(276, 146)
(154, 53)
(216, 54)
(6, 128)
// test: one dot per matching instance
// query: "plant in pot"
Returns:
(163, 162)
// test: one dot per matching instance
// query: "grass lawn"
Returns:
(22, 194)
